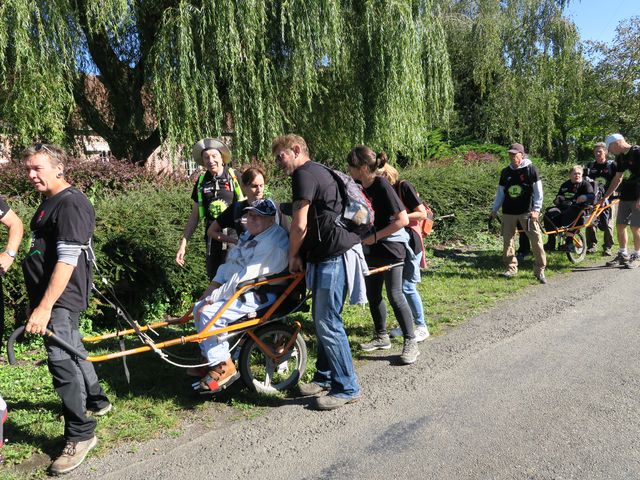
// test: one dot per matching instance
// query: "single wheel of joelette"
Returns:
(261, 373)
(579, 251)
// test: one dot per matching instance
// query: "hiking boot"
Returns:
(592, 249)
(100, 412)
(509, 274)
(331, 402)
(380, 342)
(634, 261)
(620, 259)
(422, 333)
(541, 278)
(410, 352)
(219, 377)
(607, 252)
(310, 389)
(72, 456)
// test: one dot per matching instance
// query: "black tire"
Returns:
(580, 247)
(260, 373)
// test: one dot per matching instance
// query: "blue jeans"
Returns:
(334, 366)
(410, 290)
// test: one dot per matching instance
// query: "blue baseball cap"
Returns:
(264, 207)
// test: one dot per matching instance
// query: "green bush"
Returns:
(138, 230)
(467, 190)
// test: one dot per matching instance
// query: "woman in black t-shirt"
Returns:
(214, 191)
(253, 186)
(416, 213)
(385, 246)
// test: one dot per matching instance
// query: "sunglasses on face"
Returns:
(42, 146)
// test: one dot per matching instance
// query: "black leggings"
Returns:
(393, 282)
(214, 257)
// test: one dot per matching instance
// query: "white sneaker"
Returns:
(422, 333)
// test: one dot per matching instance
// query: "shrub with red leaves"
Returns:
(95, 178)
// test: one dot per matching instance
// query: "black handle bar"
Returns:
(52, 336)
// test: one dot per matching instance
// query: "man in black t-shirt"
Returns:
(627, 158)
(602, 171)
(14, 228)
(573, 196)
(520, 196)
(316, 239)
(57, 274)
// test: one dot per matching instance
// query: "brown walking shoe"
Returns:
(220, 376)
(73, 454)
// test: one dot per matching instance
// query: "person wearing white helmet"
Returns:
(216, 188)
(627, 158)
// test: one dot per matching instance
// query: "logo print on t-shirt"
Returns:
(601, 180)
(217, 207)
(40, 216)
(514, 191)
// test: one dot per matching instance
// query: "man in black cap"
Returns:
(520, 196)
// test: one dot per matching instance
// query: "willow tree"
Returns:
(613, 101)
(393, 84)
(517, 68)
(140, 73)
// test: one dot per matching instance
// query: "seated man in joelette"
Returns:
(262, 250)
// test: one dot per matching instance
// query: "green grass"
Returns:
(459, 283)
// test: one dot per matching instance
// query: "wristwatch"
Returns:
(11, 253)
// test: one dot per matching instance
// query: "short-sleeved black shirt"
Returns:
(386, 204)
(518, 189)
(410, 198)
(66, 217)
(602, 173)
(324, 238)
(217, 194)
(232, 217)
(630, 189)
(4, 208)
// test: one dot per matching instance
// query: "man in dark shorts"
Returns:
(602, 171)
(58, 277)
(15, 230)
(627, 158)
(317, 241)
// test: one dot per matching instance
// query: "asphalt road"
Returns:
(545, 386)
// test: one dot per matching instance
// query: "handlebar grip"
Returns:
(12, 339)
(52, 336)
